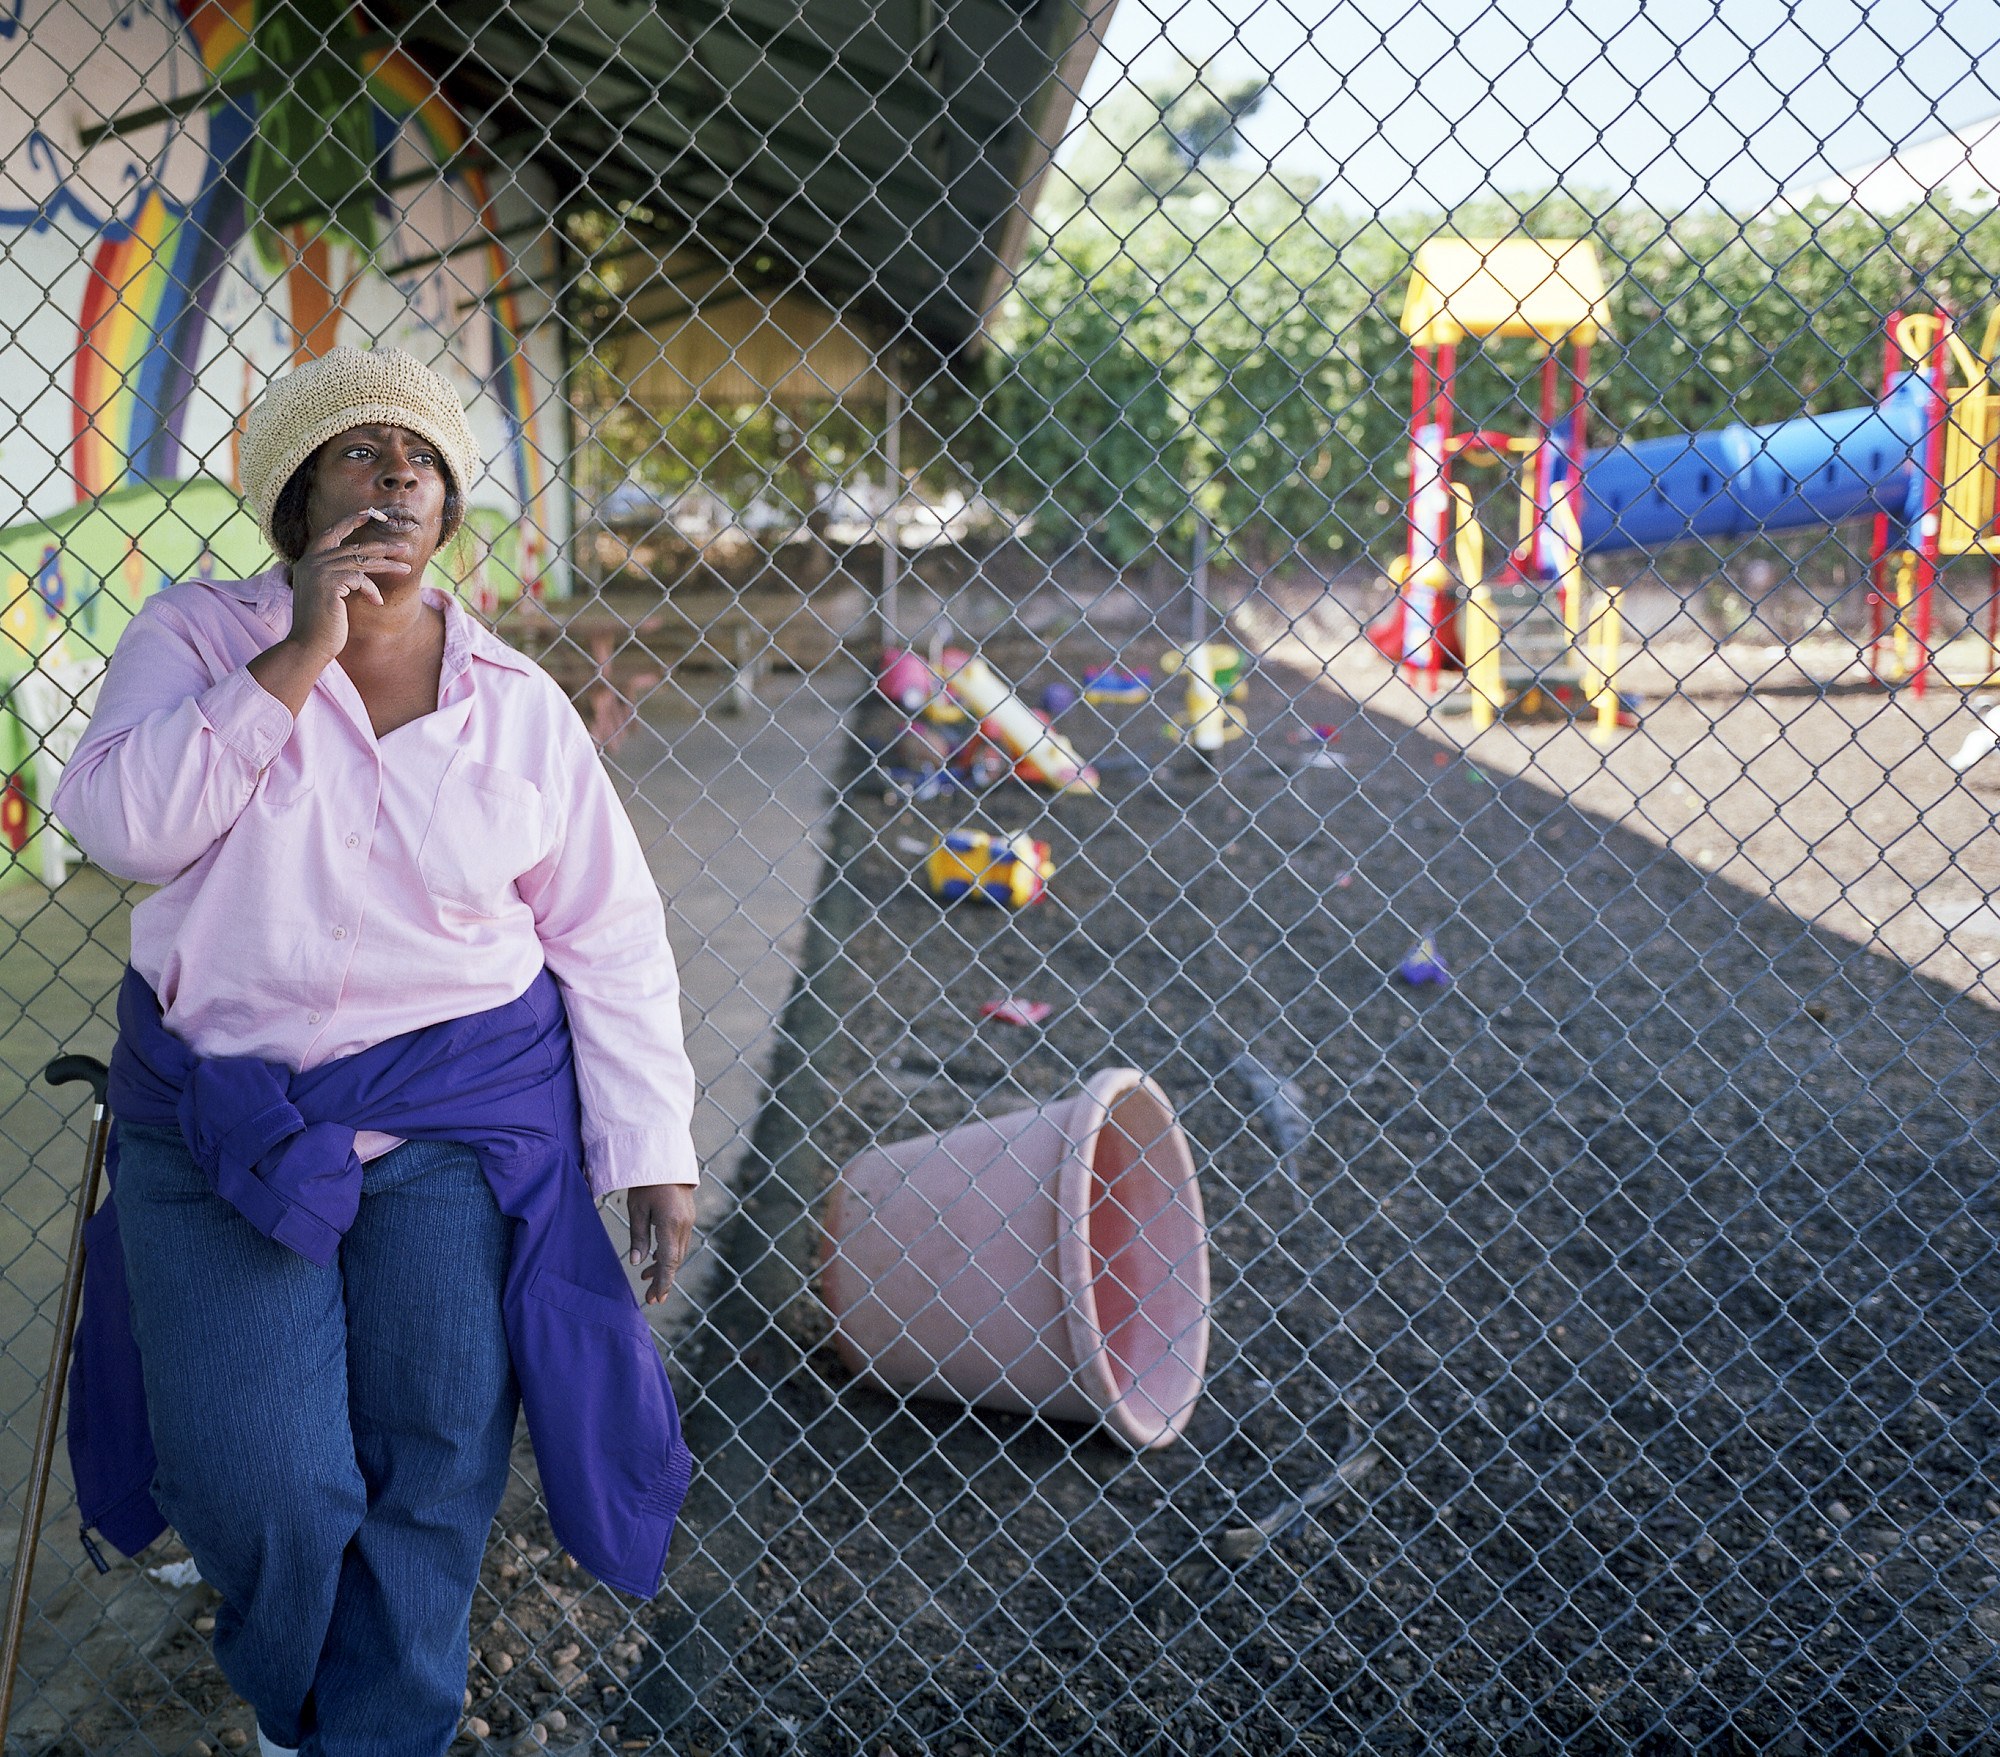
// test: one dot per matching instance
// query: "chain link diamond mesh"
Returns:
(1468, 540)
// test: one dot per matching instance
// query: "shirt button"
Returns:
(354, 841)
(312, 1018)
(340, 933)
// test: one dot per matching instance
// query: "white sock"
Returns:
(265, 1747)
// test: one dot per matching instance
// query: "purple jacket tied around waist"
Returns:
(279, 1146)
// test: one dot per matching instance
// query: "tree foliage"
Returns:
(1234, 348)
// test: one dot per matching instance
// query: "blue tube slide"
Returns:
(1738, 481)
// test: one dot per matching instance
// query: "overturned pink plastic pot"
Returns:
(1053, 1261)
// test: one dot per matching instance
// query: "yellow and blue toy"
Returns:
(1008, 870)
(1107, 685)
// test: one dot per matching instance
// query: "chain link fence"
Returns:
(1450, 558)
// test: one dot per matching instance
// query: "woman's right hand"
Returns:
(331, 571)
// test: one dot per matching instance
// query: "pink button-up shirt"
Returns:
(322, 890)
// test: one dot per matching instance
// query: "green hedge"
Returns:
(1245, 359)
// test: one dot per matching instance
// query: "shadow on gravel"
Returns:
(1656, 1255)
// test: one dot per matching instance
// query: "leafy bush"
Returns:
(1234, 348)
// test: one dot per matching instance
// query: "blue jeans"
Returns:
(332, 1442)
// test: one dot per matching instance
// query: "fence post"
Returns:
(892, 500)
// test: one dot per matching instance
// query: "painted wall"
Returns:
(145, 301)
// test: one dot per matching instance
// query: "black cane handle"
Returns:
(66, 1069)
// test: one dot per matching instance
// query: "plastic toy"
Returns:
(1108, 685)
(1057, 698)
(1040, 753)
(917, 747)
(1216, 681)
(1424, 963)
(907, 681)
(978, 762)
(1009, 870)
(914, 762)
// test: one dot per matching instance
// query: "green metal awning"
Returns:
(884, 156)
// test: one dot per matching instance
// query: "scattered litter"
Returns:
(1325, 759)
(1281, 1108)
(1013, 1010)
(1479, 774)
(1320, 732)
(1440, 758)
(1423, 963)
(910, 845)
(1057, 698)
(176, 1574)
(1342, 882)
(1009, 870)
(1109, 684)
(1242, 1542)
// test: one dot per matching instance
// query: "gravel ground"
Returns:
(551, 1653)
(1637, 1285)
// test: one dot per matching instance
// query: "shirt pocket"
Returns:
(486, 829)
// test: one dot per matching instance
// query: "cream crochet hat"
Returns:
(343, 388)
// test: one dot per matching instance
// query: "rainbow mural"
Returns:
(220, 28)
(139, 335)
(142, 326)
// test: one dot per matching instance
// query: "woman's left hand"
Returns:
(662, 1219)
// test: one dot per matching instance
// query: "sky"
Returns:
(1400, 104)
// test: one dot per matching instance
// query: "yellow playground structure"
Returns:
(1919, 463)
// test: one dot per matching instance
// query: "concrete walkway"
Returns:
(730, 806)
(732, 809)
